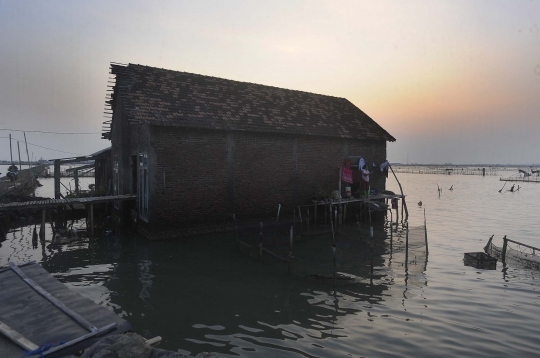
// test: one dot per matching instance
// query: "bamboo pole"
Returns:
(400, 188)
(290, 248)
(92, 219)
(10, 152)
(407, 247)
(76, 178)
(51, 223)
(42, 227)
(20, 166)
(425, 231)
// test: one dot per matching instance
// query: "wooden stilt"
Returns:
(425, 232)
(300, 214)
(307, 210)
(92, 219)
(325, 216)
(315, 215)
(53, 229)
(407, 247)
(290, 248)
(57, 179)
(505, 246)
(76, 178)
(42, 227)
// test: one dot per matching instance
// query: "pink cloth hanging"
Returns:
(346, 175)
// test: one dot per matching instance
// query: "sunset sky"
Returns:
(452, 81)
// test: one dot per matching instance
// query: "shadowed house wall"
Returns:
(216, 147)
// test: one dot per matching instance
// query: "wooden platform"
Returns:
(363, 199)
(50, 203)
(529, 179)
(37, 309)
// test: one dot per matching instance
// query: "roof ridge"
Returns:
(226, 79)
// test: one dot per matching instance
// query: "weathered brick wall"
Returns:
(120, 146)
(202, 176)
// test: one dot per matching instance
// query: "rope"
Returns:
(42, 349)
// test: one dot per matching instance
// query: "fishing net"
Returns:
(321, 252)
(517, 255)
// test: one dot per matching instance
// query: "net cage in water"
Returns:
(515, 254)
(344, 253)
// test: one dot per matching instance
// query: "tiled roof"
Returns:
(172, 98)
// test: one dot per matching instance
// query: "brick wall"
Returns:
(201, 177)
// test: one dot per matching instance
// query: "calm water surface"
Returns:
(203, 294)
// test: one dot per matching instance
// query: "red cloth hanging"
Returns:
(346, 175)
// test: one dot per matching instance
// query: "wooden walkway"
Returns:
(50, 203)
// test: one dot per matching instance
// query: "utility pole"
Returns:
(10, 152)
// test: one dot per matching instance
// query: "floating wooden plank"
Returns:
(68, 311)
(17, 338)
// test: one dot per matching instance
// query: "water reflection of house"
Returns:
(197, 148)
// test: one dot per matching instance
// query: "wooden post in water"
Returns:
(505, 246)
(10, 152)
(92, 219)
(407, 247)
(300, 214)
(290, 248)
(278, 210)
(20, 166)
(400, 188)
(425, 231)
(42, 227)
(76, 178)
(315, 215)
(261, 242)
(334, 251)
(51, 223)
(57, 179)
(307, 220)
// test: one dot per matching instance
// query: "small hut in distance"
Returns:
(196, 149)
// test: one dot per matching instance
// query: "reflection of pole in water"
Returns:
(425, 232)
(34, 238)
(406, 247)
(145, 277)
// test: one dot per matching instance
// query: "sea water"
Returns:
(202, 294)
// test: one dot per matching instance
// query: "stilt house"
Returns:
(196, 149)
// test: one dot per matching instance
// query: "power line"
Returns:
(35, 145)
(48, 132)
